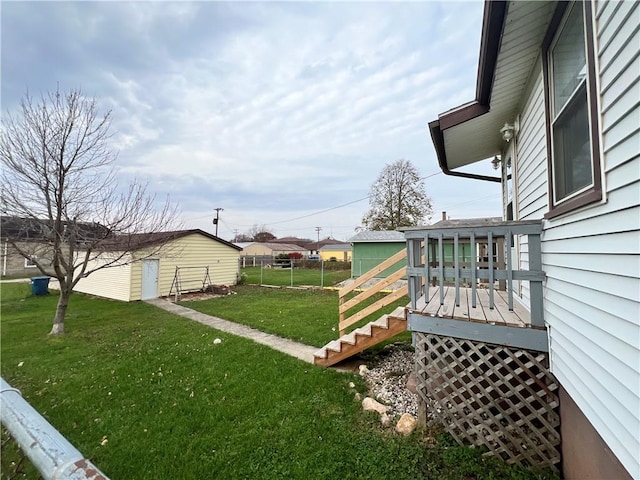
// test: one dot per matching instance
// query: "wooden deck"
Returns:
(499, 315)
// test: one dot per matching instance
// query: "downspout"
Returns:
(4, 258)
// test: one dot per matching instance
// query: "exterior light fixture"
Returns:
(507, 132)
(495, 163)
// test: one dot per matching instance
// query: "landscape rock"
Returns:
(371, 405)
(217, 341)
(363, 370)
(352, 385)
(407, 424)
(357, 396)
(389, 378)
(385, 420)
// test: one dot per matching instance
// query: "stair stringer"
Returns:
(352, 343)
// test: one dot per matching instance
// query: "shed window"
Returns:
(572, 124)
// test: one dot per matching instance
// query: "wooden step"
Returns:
(362, 338)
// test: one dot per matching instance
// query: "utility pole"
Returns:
(318, 231)
(217, 219)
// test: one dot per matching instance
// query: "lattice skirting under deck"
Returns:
(493, 396)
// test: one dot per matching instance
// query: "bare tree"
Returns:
(260, 233)
(62, 204)
(397, 198)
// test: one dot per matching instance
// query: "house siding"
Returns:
(531, 168)
(592, 256)
(111, 282)
(196, 251)
(339, 255)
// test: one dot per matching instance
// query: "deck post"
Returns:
(509, 270)
(456, 263)
(535, 263)
(441, 268)
(474, 271)
(491, 278)
(426, 267)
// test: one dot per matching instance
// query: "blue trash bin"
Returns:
(40, 285)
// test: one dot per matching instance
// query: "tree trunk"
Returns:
(61, 312)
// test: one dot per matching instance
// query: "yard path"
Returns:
(295, 349)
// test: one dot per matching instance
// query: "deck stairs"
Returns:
(358, 340)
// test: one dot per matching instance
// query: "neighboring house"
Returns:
(370, 248)
(13, 263)
(33, 237)
(336, 252)
(315, 247)
(270, 249)
(201, 258)
(558, 104)
(301, 242)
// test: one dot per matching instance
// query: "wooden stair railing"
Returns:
(345, 305)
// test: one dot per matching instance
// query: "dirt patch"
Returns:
(196, 296)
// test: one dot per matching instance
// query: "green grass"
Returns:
(306, 316)
(301, 276)
(171, 404)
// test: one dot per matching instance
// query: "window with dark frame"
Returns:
(572, 118)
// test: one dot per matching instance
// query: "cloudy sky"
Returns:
(282, 113)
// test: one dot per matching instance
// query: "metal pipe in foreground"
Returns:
(51, 453)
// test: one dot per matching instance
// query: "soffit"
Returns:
(479, 138)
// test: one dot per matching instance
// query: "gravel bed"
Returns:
(387, 380)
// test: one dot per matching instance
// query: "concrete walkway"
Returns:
(295, 349)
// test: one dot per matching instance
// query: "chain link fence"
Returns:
(289, 272)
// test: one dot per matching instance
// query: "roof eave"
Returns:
(492, 28)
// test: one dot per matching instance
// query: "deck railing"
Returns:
(461, 253)
(345, 305)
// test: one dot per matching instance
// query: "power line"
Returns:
(320, 211)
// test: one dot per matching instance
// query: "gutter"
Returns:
(437, 137)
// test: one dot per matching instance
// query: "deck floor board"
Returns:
(499, 315)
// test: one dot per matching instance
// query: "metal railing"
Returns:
(51, 453)
(473, 252)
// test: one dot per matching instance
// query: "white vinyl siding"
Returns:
(111, 282)
(532, 156)
(592, 256)
(531, 168)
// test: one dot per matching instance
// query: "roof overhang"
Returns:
(512, 34)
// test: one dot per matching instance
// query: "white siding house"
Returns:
(140, 276)
(591, 232)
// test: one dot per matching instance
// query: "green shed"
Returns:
(370, 248)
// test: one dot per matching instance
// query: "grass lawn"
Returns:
(301, 276)
(172, 405)
(306, 316)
